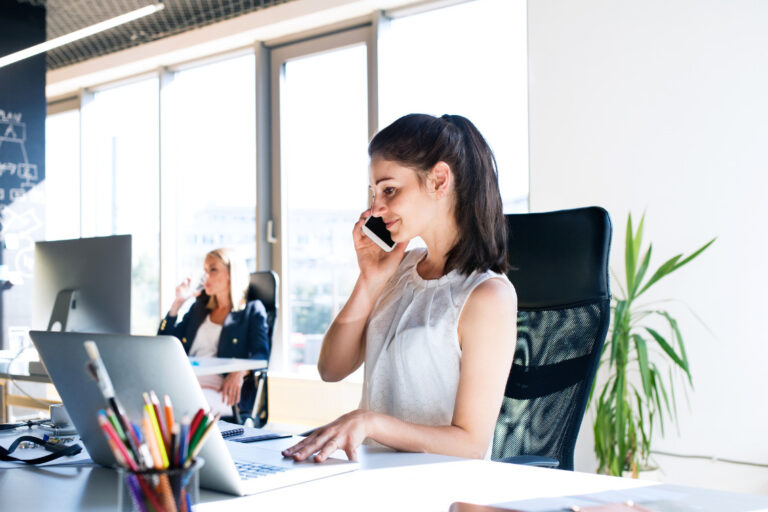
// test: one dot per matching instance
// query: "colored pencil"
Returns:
(200, 443)
(106, 426)
(151, 439)
(156, 430)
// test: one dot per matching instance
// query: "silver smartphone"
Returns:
(375, 229)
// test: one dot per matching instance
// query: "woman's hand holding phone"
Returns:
(376, 265)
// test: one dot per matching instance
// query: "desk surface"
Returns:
(200, 365)
(214, 365)
(387, 481)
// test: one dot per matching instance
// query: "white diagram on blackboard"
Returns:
(19, 221)
(14, 131)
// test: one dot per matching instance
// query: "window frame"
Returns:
(279, 55)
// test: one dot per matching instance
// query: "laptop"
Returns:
(138, 364)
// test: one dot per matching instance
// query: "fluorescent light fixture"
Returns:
(80, 34)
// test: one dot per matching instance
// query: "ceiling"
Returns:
(65, 16)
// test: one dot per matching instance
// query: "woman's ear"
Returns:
(440, 177)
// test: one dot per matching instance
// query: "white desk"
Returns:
(214, 365)
(200, 365)
(387, 482)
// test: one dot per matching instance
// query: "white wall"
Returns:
(662, 106)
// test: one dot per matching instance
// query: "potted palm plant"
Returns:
(627, 409)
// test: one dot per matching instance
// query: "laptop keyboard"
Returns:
(248, 471)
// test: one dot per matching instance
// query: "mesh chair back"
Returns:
(559, 266)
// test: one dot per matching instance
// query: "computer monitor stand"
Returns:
(61, 316)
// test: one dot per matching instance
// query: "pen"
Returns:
(261, 437)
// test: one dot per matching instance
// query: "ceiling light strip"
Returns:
(80, 34)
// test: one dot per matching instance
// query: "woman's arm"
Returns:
(168, 324)
(343, 349)
(487, 351)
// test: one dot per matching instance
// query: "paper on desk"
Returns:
(32, 453)
(651, 498)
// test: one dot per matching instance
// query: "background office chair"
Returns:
(559, 266)
(254, 404)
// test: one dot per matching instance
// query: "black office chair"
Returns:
(254, 404)
(559, 266)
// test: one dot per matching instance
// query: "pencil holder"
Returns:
(168, 490)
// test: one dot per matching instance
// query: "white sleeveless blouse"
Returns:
(412, 352)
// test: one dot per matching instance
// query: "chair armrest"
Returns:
(532, 460)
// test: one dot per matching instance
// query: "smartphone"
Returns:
(375, 229)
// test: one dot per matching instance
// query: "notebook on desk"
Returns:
(138, 364)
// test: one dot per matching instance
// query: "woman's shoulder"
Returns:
(481, 287)
(255, 306)
(493, 290)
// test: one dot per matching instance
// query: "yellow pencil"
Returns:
(149, 408)
(149, 436)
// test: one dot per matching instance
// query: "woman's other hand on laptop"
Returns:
(346, 433)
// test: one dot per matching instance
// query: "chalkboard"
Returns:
(22, 162)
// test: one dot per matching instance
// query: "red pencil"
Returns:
(109, 430)
(195, 422)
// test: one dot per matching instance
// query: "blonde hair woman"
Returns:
(221, 323)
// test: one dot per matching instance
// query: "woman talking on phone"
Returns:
(221, 323)
(435, 327)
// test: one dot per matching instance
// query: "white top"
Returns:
(412, 352)
(206, 344)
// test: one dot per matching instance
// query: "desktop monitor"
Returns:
(83, 285)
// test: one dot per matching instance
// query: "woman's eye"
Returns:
(389, 191)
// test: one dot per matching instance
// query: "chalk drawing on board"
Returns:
(19, 221)
(13, 130)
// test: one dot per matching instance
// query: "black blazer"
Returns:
(243, 335)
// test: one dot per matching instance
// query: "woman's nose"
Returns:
(377, 208)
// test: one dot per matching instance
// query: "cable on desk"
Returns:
(711, 458)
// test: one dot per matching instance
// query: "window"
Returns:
(209, 166)
(119, 173)
(62, 181)
(172, 159)
(437, 63)
(323, 116)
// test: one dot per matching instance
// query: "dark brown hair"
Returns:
(420, 141)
